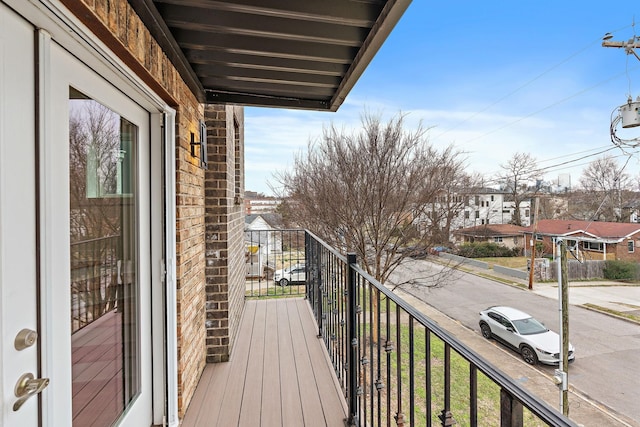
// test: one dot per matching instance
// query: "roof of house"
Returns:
(613, 231)
(491, 230)
(273, 219)
(294, 54)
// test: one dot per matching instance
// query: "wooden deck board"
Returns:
(253, 380)
(97, 371)
(289, 394)
(332, 401)
(278, 375)
(311, 407)
(206, 406)
(271, 408)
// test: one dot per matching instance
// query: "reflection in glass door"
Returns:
(104, 261)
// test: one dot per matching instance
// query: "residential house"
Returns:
(122, 181)
(262, 240)
(591, 239)
(508, 235)
(470, 207)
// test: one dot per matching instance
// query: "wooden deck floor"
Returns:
(97, 372)
(279, 374)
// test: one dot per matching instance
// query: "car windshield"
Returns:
(529, 326)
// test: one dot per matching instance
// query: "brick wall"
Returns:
(116, 24)
(225, 271)
(622, 251)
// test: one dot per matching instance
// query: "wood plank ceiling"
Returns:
(281, 53)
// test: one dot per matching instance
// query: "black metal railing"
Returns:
(274, 260)
(398, 367)
(94, 281)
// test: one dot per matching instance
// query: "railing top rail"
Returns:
(96, 239)
(328, 247)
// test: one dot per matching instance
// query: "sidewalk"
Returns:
(581, 410)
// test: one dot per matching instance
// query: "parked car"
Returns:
(435, 250)
(523, 333)
(415, 252)
(294, 274)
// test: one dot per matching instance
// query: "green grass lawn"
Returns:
(519, 262)
(426, 376)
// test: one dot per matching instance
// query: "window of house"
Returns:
(492, 198)
(477, 214)
(482, 222)
(497, 239)
(477, 200)
(526, 213)
(630, 246)
(539, 237)
(593, 246)
(466, 215)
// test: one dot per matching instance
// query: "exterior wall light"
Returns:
(202, 143)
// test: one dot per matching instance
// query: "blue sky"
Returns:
(491, 78)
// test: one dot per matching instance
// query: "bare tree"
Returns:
(360, 191)
(445, 212)
(516, 176)
(97, 208)
(605, 179)
(94, 147)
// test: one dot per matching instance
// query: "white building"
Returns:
(477, 206)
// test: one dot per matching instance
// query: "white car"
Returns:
(523, 333)
(295, 274)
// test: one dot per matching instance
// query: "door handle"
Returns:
(28, 386)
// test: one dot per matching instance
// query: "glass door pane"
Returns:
(104, 261)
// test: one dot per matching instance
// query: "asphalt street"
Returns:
(604, 379)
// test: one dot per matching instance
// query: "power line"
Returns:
(567, 59)
(491, 177)
(502, 98)
(573, 154)
(547, 107)
(603, 149)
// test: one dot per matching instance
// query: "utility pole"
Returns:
(561, 375)
(628, 46)
(627, 113)
(533, 244)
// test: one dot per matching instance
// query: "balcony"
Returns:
(294, 356)
(278, 375)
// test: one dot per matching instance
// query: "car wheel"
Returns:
(283, 282)
(528, 355)
(486, 330)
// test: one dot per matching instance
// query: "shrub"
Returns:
(621, 270)
(486, 250)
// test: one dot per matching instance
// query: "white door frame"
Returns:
(171, 280)
(18, 215)
(59, 24)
